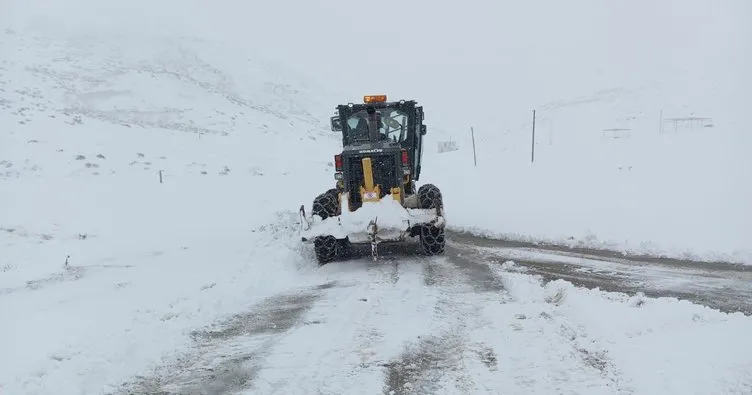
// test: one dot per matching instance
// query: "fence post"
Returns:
(660, 123)
(472, 135)
(160, 176)
(532, 150)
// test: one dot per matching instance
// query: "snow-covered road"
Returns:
(457, 325)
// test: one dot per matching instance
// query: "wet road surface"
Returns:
(719, 285)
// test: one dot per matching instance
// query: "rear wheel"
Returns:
(432, 239)
(327, 204)
(429, 196)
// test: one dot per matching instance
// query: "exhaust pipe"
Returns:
(373, 125)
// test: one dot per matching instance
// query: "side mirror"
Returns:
(336, 124)
(423, 130)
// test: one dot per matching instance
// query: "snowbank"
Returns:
(641, 345)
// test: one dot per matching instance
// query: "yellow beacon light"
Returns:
(374, 99)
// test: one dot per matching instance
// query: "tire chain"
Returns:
(325, 248)
(326, 205)
(429, 196)
(432, 240)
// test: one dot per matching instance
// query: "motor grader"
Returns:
(375, 198)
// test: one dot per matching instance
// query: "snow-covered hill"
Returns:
(618, 164)
(98, 254)
(614, 167)
(608, 173)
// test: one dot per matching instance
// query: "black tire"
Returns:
(325, 248)
(432, 240)
(429, 196)
(344, 248)
(327, 204)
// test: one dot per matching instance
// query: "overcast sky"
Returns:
(510, 56)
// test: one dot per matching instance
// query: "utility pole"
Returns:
(532, 150)
(472, 135)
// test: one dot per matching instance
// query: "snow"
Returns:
(677, 193)
(537, 339)
(672, 193)
(85, 189)
(661, 188)
(640, 345)
(150, 175)
(392, 221)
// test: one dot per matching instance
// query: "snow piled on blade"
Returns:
(391, 218)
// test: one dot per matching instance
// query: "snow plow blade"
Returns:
(385, 220)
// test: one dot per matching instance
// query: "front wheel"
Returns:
(325, 248)
(432, 239)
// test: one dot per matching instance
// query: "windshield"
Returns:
(392, 125)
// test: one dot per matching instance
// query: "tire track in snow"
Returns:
(229, 355)
(393, 323)
(421, 366)
(431, 354)
(435, 362)
(362, 326)
(405, 324)
(477, 272)
(461, 353)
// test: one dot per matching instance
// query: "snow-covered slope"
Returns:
(587, 68)
(613, 165)
(100, 260)
(679, 191)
